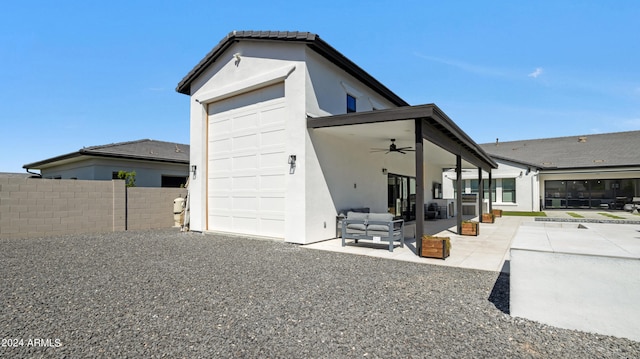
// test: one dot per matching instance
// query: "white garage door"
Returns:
(247, 163)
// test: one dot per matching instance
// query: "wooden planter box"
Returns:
(496, 213)
(488, 218)
(435, 247)
(470, 228)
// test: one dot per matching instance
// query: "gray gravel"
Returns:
(169, 294)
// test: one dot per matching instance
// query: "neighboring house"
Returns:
(590, 171)
(156, 163)
(16, 175)
(287, 133)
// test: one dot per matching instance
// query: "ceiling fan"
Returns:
(393, 148)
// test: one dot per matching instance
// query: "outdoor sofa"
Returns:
(377, 227)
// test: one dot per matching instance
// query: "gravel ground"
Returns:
(168, 294)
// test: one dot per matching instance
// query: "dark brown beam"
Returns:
(419, 185)
(459, 190)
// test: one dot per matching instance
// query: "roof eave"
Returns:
(313, 41)
(39, 164)
(51, 161)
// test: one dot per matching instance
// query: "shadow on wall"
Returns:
(501, 291)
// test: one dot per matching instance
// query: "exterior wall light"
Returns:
(193, 170)
(292, 164)
(384, 171)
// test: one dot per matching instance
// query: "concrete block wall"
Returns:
(31, 207)
(151, 207)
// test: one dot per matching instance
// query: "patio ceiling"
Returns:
(444, 139)
(379, 135)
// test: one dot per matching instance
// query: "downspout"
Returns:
(38, 175)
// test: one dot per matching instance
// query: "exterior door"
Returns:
(401, 194)
(247, 164)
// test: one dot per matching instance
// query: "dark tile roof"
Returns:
(310, 39)
(146, 149)
(619, 149)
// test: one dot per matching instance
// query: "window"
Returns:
(509, 190)
(493, 189)
(173, 181)
(351, 104)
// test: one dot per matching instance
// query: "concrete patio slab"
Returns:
(577, 276)
(487, 251)
(490, 249)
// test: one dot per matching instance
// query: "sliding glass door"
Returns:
(401, 196)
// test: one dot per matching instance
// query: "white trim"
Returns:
(350, 90)
(247, 85)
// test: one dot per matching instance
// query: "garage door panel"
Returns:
(272, 138)
(272, 227)
(247, 148)
(245, 182)
(218, 165)
(245, 162)
(247, 141)
(248, 99)
(220, 127)
(272, 182)
(271, 204)
(248, 224)
(245, 204)
(273, 159)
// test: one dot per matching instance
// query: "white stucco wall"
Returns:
(340, 173)
(260, 65)
(527, 187)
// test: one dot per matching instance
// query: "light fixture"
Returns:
(292, 164)
(384, 171)
(193, 170)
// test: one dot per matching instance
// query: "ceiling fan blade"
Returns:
(405, 149)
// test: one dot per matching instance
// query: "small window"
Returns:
(509, 190)
(351, 104)
(173, 181)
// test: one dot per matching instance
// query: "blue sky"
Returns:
(85, 73)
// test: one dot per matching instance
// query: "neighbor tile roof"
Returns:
(619, 149)
(145, 149)
(310, 39)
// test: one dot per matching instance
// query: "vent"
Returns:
(582, 139)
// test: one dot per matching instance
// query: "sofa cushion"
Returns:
(356, 226)
(379, 217)
(357, 216)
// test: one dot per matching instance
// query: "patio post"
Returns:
(480, 194)
(459, 191)
(419, 185)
